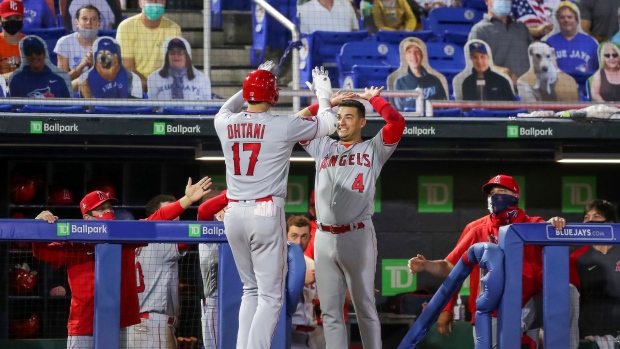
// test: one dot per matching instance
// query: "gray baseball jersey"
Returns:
(345, 178)
(158, 278)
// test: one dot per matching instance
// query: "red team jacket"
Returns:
(532, 255)
(80, 262)
(209, 208)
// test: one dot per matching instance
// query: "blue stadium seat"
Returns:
(321, 48)
(216, 13)
(496, 112)
(446, 58)
(267, 32)
(181, 111)
(366, 76)
(107, 32)
(6, 108)
(453, 20)
(122, 110)
(395, 37)
(479, 5)
(50, 36)
(366, 53)
(51, 109)
(447, 112)
(583, 84)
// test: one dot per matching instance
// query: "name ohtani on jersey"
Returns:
(246, 130)
(358, 159)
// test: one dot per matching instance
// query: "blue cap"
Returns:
(478, 46)
(32, 41)
(107, 44)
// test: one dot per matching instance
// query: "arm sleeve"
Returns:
(313, 109)
(234, 103)
(574, 268)
(410, 21)
(393, 131)
(207, 209)
(167, 213)
(55, 257)
(466, 242)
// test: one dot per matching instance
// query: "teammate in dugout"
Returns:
(345, 243)
(257, 146)
(503, 192)
(79, 258)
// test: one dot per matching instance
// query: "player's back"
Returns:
(257, 148)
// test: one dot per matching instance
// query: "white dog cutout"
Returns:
(542, 61)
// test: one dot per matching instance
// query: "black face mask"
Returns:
(12, 27)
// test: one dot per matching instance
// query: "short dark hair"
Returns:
(298, 221)
(352, 103)
(155, 203)
(87, 7)
(604, 208)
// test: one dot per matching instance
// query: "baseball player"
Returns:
(345, 244)
(208, 253)
(257, 146)
(80, 262)
(157, 273)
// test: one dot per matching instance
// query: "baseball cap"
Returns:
(568, 4)
(93, 200)
(478, 46)
(108, 44)
(11, 7)
(32, 44)
(176, 43)
(501, 180)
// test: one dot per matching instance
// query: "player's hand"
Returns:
(47, 216)
(220, 215)
(321, 85)
(268, 65)
(417, 264)
(444, 323)
(558, 223)
(370, 92)
(339, 96)
(195, 192)
(310, 277)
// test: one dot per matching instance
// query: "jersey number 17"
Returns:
(247, 147)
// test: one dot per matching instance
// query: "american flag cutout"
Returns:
(529, 11)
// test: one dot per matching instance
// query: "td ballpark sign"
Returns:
(46, 127)
(196, 230)
(515, 131)
(160, 128)
(66, 229)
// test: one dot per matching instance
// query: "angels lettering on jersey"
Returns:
(358, 159)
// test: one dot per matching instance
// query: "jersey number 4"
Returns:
(252, 147)
(358, 183)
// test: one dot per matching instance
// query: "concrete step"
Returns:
(229, 74)
(226, 90)
(224, 56)
(195, 37)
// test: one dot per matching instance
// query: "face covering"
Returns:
(108, 216)
(501, 7)
(489, 205)
(501, 202)
(12, 27)
(153, 11)
(88, 33)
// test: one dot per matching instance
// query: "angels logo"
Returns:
(83, 206)
(492, 238)
(45, 92)
(512, 215)
(102, 195)
(497, 179)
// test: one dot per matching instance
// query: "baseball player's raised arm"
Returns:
(234, 103)
(393, 131)
(167, 213)
(56, 257)
(209, 208)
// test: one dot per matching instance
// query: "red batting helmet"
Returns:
(501, 180)
(260, 86)
(103, 184)
(22, 281)
(25, 329)
(61, 196)
(23, 191)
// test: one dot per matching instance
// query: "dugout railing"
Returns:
(109, 235)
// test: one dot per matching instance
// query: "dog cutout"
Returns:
(545, 81)
(108, 78)
(107, 65)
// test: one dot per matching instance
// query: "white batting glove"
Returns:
(321, 85)
(268, 65)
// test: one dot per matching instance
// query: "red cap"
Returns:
(10, 8)
(501, 180)
(93, 200)
(312, 198)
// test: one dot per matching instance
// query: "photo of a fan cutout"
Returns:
(481, 80)
(605, 83)
(544, 81)
(415, 71)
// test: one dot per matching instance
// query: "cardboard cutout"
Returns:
(413, 72)
(481, 81)
(545, 81)
(576, 56)
(605, 83)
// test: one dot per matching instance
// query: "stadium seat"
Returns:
(122, 110)
(479, 5)
(50, 36)
(394, 37)
(216, 13)
(453, 20)
(321, 48)
(6, 108)
(447, 112)
(446, 58)
(267, 32)
(582, 80)
(366, 53)
(181, 111)
(366, 76)
(496, 112)
(107, 32)
(51, 109)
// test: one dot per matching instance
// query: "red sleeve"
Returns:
(313, 109)
(572, 266)
(207, 209)
(309, 252)
(450, 306)
(167, 213)
(56, 257)
(393, 131)
(466, 242)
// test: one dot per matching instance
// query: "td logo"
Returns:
(193, 230)
(159, 128)
(435, 194)
(62, 229)
(395, 277)
(36, 126)
(512, 131)
(576, 192)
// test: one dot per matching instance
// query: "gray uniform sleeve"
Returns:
(234, 103)
(381, 150)
(313, 147)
